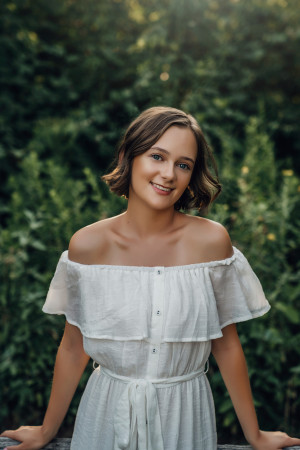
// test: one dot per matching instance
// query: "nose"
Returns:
(168, 171)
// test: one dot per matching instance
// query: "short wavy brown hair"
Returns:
(143, 133)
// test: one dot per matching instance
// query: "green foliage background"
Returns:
(73, 74)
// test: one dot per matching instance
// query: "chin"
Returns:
(161, 207)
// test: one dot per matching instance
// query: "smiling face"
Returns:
(160, 176)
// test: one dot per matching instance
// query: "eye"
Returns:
(184, 166)
(156, 157)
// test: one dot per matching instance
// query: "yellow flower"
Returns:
(245, 170)
(287, 173)
(271, 237)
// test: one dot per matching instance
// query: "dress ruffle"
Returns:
(116, 302)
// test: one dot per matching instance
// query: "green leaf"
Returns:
(290, 312)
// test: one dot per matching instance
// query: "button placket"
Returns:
(156, 319)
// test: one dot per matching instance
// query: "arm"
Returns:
(230, 358)
(71, 361)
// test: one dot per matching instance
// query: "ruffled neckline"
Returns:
(221, 262)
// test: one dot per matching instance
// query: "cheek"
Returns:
(142, 167)
(140, 171)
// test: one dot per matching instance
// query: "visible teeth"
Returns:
(161, 188)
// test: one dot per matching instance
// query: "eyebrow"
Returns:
(166, 151)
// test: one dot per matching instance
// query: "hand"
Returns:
(31, 438)
(273, 440)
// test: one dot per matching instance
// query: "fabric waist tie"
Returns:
(136, 417)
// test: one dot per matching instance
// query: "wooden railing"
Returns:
(64, 444)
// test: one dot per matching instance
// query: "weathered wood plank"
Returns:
(64, 444)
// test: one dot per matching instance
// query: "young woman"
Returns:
(148, 295)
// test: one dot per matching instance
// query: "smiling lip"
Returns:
(161, 189)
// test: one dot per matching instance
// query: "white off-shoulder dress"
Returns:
(149, 331)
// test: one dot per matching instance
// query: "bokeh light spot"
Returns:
(164, 76)
(287, 173)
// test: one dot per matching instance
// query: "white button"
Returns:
(154, 350)
(158, 313)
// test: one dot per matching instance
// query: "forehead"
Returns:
(179, 140)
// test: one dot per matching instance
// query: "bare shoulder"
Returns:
(210, 239)
(89, 242)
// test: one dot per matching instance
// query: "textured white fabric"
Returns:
(148, 323)
(137, 413)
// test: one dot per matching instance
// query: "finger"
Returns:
(290, 442)
(294, 441)
(9, 433)
(3, 434)
(16, 447)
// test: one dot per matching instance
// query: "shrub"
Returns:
(262, 216)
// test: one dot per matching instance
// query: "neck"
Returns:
(145, 222)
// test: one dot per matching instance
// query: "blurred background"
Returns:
(73, 74)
